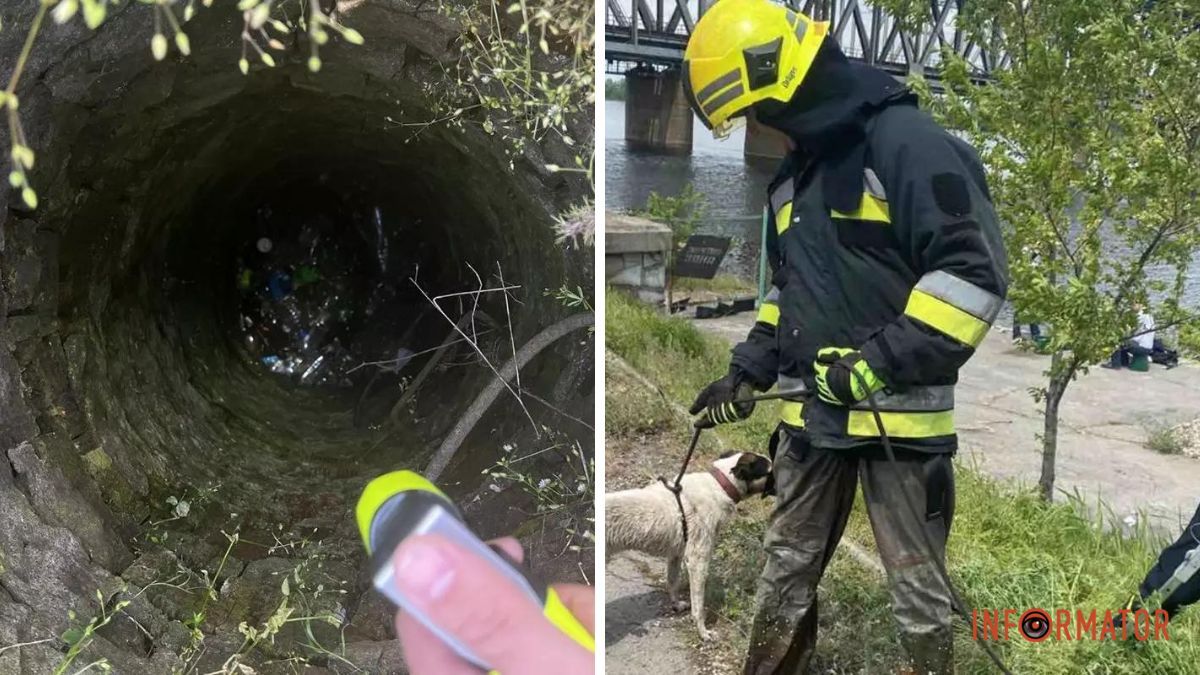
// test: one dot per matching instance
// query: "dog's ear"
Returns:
(727, 454)
(751, 467)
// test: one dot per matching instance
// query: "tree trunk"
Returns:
(1054, 393)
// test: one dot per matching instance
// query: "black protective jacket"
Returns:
(882, 238)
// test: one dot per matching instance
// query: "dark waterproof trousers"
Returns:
(815, 493)
(1170, 560)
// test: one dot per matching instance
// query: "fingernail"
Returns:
(422, 570)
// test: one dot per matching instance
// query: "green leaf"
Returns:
(352, 36)
(72, 636)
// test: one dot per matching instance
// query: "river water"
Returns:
(734, 191)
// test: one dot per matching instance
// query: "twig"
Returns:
(392, 362)
(411, 390)
(508, 316)
(551, 406)
(24, 644)
(484, 400)
(502, 379)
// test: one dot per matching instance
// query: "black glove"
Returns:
(717, 401)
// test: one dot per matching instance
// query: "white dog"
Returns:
(648, 520)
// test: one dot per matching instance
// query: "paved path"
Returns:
(1104, 423)
(639, 635)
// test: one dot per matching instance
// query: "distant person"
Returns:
(1140, 344)
(1035, 331)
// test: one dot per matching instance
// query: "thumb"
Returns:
(471, 600)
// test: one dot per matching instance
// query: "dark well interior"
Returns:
(141, 317)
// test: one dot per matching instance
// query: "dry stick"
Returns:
(411, 389)
(484, 400)
(553, 407)
(482, 356)
(512, 342)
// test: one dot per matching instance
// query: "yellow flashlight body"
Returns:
(402, 504)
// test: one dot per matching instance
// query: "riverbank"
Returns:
(1008, 549)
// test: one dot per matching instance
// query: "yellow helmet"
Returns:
(742, 52)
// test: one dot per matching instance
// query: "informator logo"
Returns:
(1038, 625)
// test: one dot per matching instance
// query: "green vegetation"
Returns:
(1009, 549)
(1164, 438)
(682, 212)
(1089, 135)
(614, 89)
(723, 285)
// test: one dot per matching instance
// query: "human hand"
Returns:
(475, 603)
(716, 401)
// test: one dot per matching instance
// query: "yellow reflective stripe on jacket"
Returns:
(901, 424)
(783, 218)
(792, 413)
(781, 205)
(768, 313)
(871, 208)
(946, 318)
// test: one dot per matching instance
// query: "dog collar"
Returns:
(729, 488)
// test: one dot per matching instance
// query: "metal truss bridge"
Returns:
(653, 33)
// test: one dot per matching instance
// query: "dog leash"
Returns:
(677, 488)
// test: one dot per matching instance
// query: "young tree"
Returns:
(1090, 132)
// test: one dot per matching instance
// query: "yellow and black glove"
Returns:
(717, 401)
(843, 376)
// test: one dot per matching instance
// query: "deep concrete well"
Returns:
(128, 383)
(635, 255)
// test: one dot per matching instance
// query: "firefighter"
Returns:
(1174, 580)
(888, 271)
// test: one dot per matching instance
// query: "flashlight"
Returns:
(402, 504)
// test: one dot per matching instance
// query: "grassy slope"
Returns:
(1008, 549)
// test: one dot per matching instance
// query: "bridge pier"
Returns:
(657, 115)
(762, 142)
